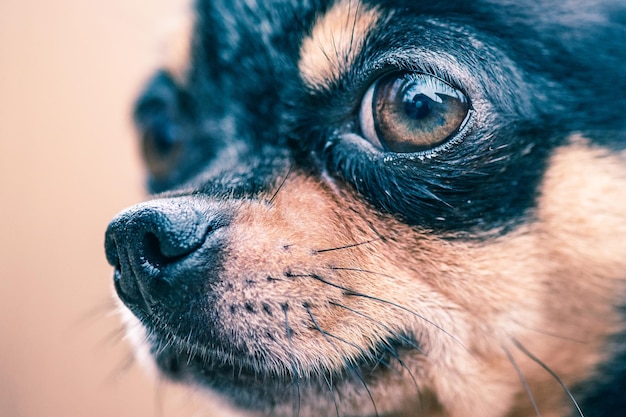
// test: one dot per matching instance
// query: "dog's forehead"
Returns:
(231, 29)
(236, 18)
(254, 38)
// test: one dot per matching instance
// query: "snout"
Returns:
(165, 252)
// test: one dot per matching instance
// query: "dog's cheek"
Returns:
(569, 263)
(583, 206)
(583, 223)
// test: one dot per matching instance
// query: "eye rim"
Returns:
(367, 109)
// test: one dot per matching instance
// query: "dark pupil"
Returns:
(417, 108)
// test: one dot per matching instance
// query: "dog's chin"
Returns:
(253, 384)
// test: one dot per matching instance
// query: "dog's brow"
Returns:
(335, 41)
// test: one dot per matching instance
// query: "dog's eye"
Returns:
(162, 145)
(159, 118)
(411, 112)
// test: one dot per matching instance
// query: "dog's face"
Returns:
(385, 208)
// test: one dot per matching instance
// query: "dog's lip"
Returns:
(217, 369)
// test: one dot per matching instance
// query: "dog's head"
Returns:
(385, 207)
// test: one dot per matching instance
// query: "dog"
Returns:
(385, 208)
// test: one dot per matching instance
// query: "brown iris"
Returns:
(162, 146)
(411, 112)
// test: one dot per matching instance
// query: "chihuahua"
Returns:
(385, 208)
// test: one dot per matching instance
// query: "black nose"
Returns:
(162, 250)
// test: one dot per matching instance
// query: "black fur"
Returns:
(603, 396)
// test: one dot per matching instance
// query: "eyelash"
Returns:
(391, 63)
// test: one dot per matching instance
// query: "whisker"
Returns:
(354, 22)
(108, 306)
(353, 245)
(551, 372)
(551, 334)
(323, 51)
(114, 336)
(366, 317)
(158, 398)
(332, 393)
(271, 200)
(393, 352)
(380, 360)
(351, 292)
(103, 310)
(358, 374)
(522, 380)
(326, 336)
(294, 368)
(352, 368)
(337, 57)
(122, 369)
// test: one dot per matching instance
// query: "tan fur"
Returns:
(552, 285)
(335, 41)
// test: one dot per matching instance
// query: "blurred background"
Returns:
(69, 70)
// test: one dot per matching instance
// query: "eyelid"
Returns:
(436, 64)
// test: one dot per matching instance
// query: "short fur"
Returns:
(294, 268)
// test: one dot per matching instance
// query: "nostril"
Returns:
(171, 236)
(152, 251)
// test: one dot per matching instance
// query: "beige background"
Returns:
(68, 72)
